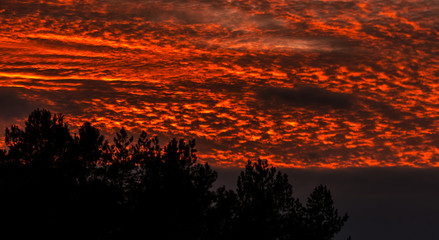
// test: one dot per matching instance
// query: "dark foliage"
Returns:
(58, 186)
(265, 202)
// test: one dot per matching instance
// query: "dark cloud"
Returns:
(307, 96)
(12, 106)
(316, 98)
(43, 72)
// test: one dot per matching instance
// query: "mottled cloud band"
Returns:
(300, 83)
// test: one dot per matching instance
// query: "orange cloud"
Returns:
(299, 83)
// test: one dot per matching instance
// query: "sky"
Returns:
(309, 83)
(329, 91)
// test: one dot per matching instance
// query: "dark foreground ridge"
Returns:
(56, 185)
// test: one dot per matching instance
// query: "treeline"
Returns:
(57, 185)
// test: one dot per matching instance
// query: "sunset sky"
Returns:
(306, 83)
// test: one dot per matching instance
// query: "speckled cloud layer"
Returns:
(300, 83)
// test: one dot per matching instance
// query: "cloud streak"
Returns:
(300, 83)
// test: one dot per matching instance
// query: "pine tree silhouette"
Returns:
(55, 185)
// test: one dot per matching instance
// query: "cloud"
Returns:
(12, 106)
(281, 43)
(365, 74)
(315, 98)
(307, 97)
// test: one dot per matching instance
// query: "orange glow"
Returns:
(300, 83)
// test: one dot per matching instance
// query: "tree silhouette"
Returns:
(121, 149)
(222, 216)
(265, 202)
(174, 192)
(83, 187)
(147, 150)
(44, 141)
(43, 185)
(91, 145)
(3, 156)
(322, 219)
